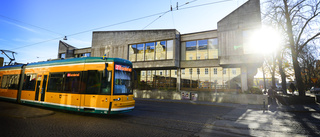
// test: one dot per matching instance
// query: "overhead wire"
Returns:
(160, 13)
(35, 26)
(174, 26)
(168, 11)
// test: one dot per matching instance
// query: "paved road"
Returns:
(150, 118)
(158, 118)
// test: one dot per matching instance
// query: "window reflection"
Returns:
(170, 49)
(211, 78)
(213, 48)
(140, 52)
(149, 48)
(191, 50)
(133, 52)
(159, 50)
(200, 49)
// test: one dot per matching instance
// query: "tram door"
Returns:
(41, 86)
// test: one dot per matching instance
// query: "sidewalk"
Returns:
(11, 109)
(275, 106)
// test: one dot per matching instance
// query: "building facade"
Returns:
(203, 61)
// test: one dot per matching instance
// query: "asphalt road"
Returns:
(149, 118)
(157, 118)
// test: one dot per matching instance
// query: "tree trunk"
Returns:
(273, 72)
(283, 75)
(296, 67)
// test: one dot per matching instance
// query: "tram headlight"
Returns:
(118, 99)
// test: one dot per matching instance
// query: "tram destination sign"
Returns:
(123, 68)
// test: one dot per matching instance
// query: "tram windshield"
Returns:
(123, 83)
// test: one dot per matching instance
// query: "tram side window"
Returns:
(72, 82)
(10, 82)
(4, 81)
(29, 82)
(93, 83)
(106, 84)
(55, 82)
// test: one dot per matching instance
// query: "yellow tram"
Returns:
(90, 84)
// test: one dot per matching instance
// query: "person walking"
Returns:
(293, 88)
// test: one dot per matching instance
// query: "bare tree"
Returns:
(299, 20)
(309, 60)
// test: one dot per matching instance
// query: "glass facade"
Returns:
(159, 50)
(205, 79)
(211, 78)
(160, 79)
(199, 49)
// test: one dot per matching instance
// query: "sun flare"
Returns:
(266, 40)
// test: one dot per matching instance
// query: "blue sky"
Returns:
(24, 23)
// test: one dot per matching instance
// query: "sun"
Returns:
(265, 40)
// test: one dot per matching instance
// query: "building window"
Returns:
(149, 72)
(133, 52)
(200, 49)
(170, 49)
(190, 71)
(159, 50)
(224, 71)
(161, 73)
(149, 51)
(63, 56)
(215, 71)
(191, 49)
(182, 71)
(234, 71)
(206, 71)
(198, 71)
(143, 73)
(140, 52)
(213, 48)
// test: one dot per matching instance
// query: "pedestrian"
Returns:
(270, 95)
(292, 88)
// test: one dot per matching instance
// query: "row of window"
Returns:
(88, 82)
(63, 55)
(10, 81)
(199, 78)
(206, 71)
(200, 49)
(159, 50)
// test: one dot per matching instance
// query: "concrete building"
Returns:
(202, 61)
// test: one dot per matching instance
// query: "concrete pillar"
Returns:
(178, 79)
(244, 78)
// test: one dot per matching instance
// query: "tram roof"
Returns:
(12, 67)
(69, 61)
(79, 60)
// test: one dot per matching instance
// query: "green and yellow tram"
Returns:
(90, 84)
